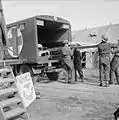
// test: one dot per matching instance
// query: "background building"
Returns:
(92, 36)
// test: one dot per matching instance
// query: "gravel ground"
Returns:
(81, 101)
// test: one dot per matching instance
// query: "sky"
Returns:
(81, 13)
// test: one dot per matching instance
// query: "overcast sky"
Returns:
(81, 13)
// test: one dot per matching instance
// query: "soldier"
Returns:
(114, 66)
(67, 62)
(104, 50)
(77, 64)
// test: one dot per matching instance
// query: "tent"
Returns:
(92, 36)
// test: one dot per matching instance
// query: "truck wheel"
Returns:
(25, 69)
(52, 75)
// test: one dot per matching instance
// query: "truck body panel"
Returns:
(29, 50)
(46, 30)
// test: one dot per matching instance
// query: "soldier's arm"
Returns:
(71, 53)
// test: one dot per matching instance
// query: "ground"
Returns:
(81, 101)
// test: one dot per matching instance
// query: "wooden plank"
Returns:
(3, 70)
(6, 80)
(10, 101)
(8, 91)
(11, 62)
(14, 112)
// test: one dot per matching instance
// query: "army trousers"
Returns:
(114, 69)
(114, 73)
(78, 67)
(69, 73)
(104, 72)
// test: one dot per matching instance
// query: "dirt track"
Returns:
(81, 101)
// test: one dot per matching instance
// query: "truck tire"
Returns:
(52, 76)
(25, 69)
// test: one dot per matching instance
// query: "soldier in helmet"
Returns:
(67, 62)
(104, 49)
(114, 65)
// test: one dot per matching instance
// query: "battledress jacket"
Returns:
(104, 50)
(67, 55)
(77, 56)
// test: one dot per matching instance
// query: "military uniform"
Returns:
(114, 66)
(104, 50)
(67, 63)
(77, 64)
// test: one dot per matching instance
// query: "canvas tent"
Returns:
(92, 36)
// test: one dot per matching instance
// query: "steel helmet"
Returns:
(104, 38)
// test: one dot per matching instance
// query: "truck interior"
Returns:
(52, 34)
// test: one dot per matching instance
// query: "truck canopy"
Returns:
(47, 30)
(52, 31)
